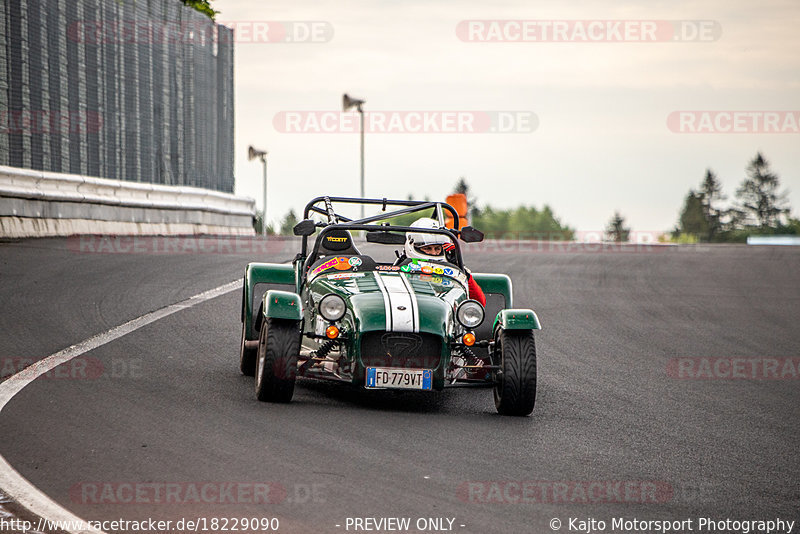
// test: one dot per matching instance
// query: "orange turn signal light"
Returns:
(332, 332)
(468, 339)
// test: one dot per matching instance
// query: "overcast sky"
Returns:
(602, 142)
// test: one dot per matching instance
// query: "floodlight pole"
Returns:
(361, 112)
(264, 216)
(253, 153)
(347, 103)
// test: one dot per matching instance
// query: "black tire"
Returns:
(247, 357)
(515, 389)
(276, 369)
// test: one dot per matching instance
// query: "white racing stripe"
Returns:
(387, 305)
(400, 302)
(414, 304)
(15, 485)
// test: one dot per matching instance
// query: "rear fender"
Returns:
(499, 295)
(495, 284)
(258, 279)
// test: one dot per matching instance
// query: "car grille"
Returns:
(400, 349)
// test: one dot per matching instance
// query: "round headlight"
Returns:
(332, 307)
(470, 313)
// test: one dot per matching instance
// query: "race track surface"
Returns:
(166, 404)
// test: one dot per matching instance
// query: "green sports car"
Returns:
(384, 321)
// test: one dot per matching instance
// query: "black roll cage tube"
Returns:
(415, 205)
(363, 224)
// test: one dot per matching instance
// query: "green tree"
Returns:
(758, 195)
(493, 223)
(203, 6)
(693, 219)
(523, 222)
(792, 227)
(710, 196)
(288, 222)
(258, 222)
(616, 230)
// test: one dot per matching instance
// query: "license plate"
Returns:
(391, 377)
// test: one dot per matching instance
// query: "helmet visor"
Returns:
(432, 249)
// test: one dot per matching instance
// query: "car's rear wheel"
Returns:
(278, 348)
(247, 357)
(515, 386)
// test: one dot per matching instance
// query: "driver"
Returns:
(434, 247)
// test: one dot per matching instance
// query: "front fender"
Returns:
(282, 305)
(517, 319)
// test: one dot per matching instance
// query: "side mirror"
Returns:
(305, 227)
(386, 238)
(471, 235)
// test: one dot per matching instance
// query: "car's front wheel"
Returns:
(515, 385)
(278, 348)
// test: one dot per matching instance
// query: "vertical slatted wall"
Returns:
(138, 90)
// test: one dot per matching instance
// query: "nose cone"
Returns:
(434, 315)
(418, 313)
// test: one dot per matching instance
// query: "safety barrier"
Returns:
(39, 204)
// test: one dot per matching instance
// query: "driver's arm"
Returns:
(475, 291)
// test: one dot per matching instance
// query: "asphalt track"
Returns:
(168, 404)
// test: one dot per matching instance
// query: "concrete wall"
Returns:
(38, 204)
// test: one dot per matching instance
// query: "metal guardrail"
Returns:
(773, 240)
(27, 195)
(25, 183)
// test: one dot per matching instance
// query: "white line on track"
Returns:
(15, 485)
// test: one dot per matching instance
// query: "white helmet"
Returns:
(416, 240)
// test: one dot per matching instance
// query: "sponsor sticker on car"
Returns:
(342, 264)
(427, 269)
(339, 263)
(344, 276)
(444, 282)
(399, 378)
